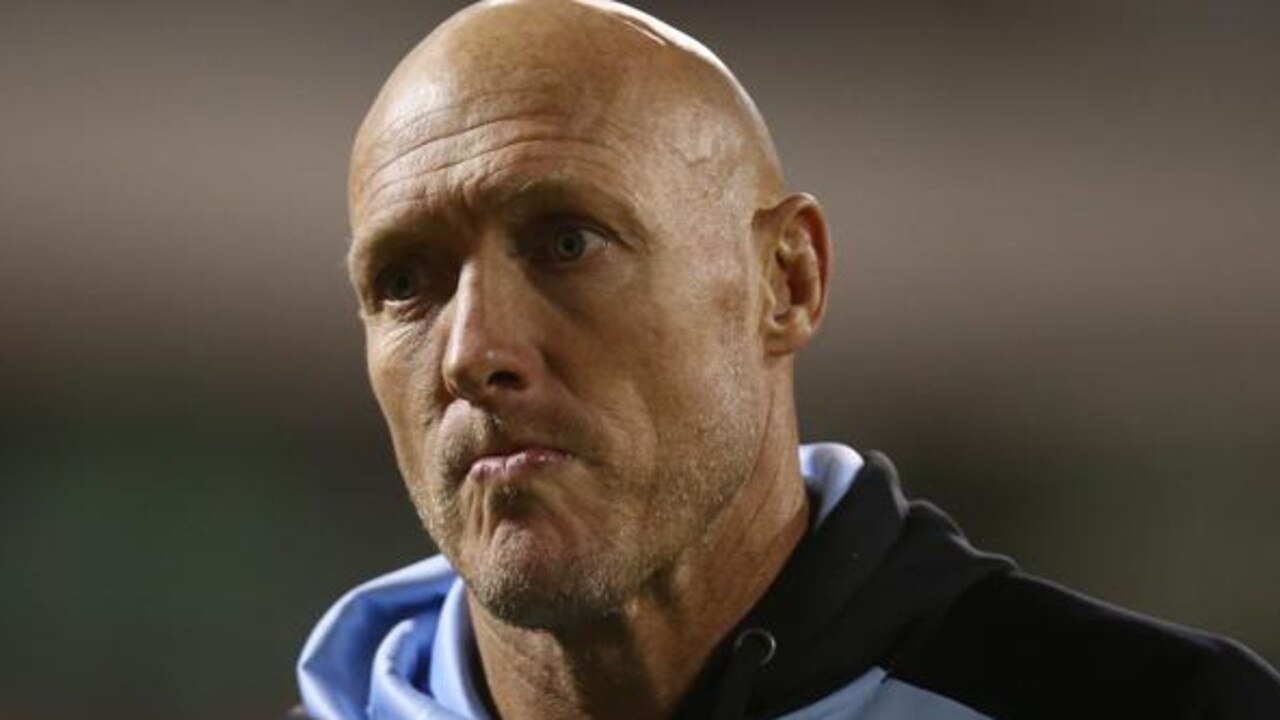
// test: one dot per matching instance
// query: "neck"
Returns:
(640, 662)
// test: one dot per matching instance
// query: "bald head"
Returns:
(570, 234)
(597, 67)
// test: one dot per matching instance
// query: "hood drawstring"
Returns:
(752, 650)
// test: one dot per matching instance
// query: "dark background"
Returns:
(1055, 305)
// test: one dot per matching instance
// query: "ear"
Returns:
(796, 263)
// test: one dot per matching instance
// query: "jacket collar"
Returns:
(856, 591)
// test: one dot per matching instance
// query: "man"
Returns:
(583, 284)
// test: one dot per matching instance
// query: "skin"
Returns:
(582, 285)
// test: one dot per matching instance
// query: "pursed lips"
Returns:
(508, 467)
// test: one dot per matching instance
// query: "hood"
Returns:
(857, 594)
(371, 651)
(871, 576)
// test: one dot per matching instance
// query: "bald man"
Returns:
(583, 283)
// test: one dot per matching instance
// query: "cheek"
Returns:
(667, 370)
(705, 351)
(404, 381)
(694, 331)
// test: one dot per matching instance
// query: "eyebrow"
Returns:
(361, 255)
(510, 197)
(572, 198)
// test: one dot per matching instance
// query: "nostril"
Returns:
(504, 379)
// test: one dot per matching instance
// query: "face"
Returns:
(562, 325)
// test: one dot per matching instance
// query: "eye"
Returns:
(399, 283)
(568, 243)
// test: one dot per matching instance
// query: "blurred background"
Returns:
(1057, 307)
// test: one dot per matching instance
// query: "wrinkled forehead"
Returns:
(607, 96)
(417, 112)
(602, 65)
(446, 135)
(616, 105)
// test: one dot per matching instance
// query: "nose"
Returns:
(489, 354)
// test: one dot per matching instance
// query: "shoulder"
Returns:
(1015, 646)
(338, 657)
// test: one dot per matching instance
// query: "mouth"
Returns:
(506, 468)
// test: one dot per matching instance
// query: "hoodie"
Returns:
(883, 612)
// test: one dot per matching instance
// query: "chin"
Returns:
(529, 582)
(537, 609)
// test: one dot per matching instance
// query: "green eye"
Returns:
(568, 244)
(399, 283)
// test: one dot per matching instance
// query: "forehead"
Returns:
(439, 148)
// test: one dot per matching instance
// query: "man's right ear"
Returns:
(796, 254)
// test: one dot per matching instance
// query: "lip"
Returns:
(510, 467)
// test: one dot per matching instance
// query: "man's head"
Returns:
(582, 285)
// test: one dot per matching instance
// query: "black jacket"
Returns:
(888, 596)
(893, 584)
